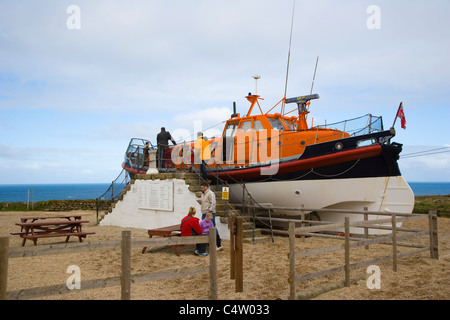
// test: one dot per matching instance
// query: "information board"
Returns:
(156, 195)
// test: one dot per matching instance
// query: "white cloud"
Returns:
(425, 163)
(9, 152)
(31, 166)
(210, 121)
(154, 53)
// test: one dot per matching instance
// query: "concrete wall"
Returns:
(129, 212)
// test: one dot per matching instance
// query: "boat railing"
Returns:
(134, 155)
(357, 126)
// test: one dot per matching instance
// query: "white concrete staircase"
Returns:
(223, 207)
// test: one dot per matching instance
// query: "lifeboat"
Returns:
(281, 161)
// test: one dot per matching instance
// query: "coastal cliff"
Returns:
(56, 205)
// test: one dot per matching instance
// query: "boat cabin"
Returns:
(261, 138)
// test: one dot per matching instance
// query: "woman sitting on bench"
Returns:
(190, 226)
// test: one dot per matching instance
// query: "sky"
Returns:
(76, 84)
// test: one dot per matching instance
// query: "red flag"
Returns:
(401, 115)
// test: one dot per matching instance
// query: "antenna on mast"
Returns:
(314, 77)
(289, 57)
(256, 83)
(312, 84)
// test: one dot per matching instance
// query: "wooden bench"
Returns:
(24, 233)
(80, 235)
(170, 231)
(42, 228)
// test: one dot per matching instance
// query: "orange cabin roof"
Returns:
(261, 137)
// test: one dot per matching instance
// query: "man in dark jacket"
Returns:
(162, 139)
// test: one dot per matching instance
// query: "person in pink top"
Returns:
(205, 224)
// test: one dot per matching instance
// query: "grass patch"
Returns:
(55, 205)
(423, 204)
(440, 203)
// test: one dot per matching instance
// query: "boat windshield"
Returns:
(293, 126)
(258, 126)
(276, 124)
(246, 126)
(230, 131)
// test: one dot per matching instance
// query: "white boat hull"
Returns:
(384, 194)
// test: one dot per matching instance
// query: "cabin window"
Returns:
(292, 125)
(258, 126)
(246, 126)
(276, 124)
(231, 130)
(366, 142)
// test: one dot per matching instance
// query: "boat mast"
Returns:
(288, 60)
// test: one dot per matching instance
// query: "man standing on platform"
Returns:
(162, 139)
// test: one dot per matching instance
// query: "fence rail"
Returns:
(392, 239)
(124, 280)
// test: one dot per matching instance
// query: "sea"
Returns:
(44, 192)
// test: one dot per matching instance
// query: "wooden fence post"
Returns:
(434, 252)
(239, 258)
(4, 256)
(347, 252)
(125, 279)
(394, 242)
(212, 265)
(232, 247)
(366, 231)
(292, 288)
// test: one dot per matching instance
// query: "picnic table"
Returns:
(46, 227)
(169, 231)
(70, 218)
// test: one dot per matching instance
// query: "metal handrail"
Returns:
(114, 189)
